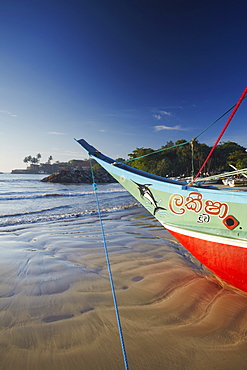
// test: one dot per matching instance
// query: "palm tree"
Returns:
(27, 159)
(38, 156)
(34, 160)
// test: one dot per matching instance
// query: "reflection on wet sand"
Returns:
(56, 309)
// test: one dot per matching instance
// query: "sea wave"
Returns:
(45, 216)
(32, 212)
(7, 197)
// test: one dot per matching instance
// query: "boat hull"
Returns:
(207, 221)
(225, 258)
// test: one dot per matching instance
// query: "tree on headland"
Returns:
(38, 156)
(27, 159)
(33, 160)
(50, 159)
(34, 165)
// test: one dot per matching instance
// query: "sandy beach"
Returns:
(56, 308)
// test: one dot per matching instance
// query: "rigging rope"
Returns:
(110, 272)
(156, 151)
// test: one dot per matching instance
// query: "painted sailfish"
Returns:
(146, 193)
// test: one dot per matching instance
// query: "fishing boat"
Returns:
(235, 181)
(209, 221)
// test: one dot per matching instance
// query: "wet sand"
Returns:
(56, 308)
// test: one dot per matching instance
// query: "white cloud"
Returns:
(165, 113)
(157, 116)
(162, 113)
(8, 113)
(162, 127)
(55, 133)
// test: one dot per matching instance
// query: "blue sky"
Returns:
(121, 74)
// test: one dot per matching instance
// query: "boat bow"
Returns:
(206, 220)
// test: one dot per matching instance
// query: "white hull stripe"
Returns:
(207, 237)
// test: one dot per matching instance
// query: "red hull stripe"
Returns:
(225, 257)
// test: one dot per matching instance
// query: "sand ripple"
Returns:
(56, 309)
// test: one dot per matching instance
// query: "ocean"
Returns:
(56, 305)
(25, 199)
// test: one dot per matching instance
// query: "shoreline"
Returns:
(56, 308)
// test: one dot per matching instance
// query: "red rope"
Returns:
(221, 134)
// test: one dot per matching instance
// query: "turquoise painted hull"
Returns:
(210, 222)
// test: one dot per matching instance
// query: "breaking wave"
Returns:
(9, 196)
(45, 215)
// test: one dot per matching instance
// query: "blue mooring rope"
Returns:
(110, 275)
